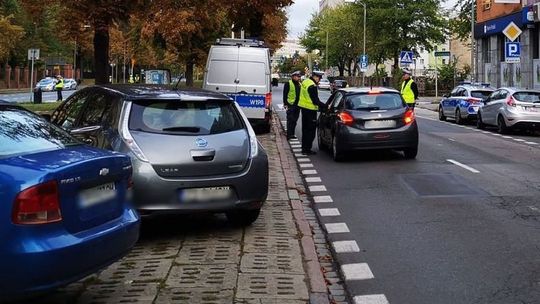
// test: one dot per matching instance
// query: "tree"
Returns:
(461, 25)
(10, 35)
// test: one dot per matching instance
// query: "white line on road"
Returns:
(519, 139)
(346, 246)
(303, 160)
(297, 150)
(531, 143)
(309, 172)
(463, 166)
(337, 228)
(359, 271)
(323, 199)
(306, 165)
(507, 137)
(313, 179)
(329, 212)
(317, 188)
(371, 299)
(534, 208)
(451, 139)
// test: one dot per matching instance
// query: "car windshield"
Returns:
(22, 132)
(369, 102)
(528, 96)
(481, 94)
(45, 81)
(185, 117)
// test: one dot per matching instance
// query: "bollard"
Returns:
(37, 95)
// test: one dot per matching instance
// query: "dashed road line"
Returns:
(531, 143)
(519, 139)
(371, 299)
(309, 172)
(323, 199)
(313, 179)
(317, 189)
(346, 246)
(332, 228)
(306, 165)
(303, 160)
(326, 212)
(463, 166)
(354, 272)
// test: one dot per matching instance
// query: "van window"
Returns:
(222, 71)
(252, 73)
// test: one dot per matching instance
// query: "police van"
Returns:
(240, 68)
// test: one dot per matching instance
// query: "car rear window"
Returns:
(481, 94)
(22, 132)
(367, 102)
(528, 96)
(185, 117)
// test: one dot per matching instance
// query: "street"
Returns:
(26, 97)
(457, 225)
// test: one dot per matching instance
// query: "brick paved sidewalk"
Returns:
(282, 258)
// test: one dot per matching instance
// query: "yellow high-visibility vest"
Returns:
(407, 92)
(305, 100)
(291, 97)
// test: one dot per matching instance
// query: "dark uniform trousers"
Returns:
(309, 128)
(293, 112)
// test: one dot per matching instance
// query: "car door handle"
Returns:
(203, 155)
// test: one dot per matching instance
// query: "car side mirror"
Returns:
(446, 95)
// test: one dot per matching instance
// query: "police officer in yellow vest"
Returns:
(291, 97)
(59, 87)
(309, 104)
(409, 89)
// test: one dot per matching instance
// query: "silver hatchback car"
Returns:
(511, 108)
(192, 151)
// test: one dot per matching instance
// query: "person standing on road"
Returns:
(409, 89)
(291, 97)
(59, 86)
(309, 104)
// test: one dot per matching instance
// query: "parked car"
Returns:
(70, 84)
(192, 151)
(511, 108)
(367, 119)
(324, 84)
(65, 209)
(338, 84)
(240, 68)
(46, 84)
(463, 102)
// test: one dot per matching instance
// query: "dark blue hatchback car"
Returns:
(64, 207)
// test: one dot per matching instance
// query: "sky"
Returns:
(301, 11)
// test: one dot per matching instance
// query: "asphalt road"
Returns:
(460, 224)
(26, 97)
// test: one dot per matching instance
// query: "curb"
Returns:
(319, 293)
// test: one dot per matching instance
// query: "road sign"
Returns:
(512, 31)
(33, 54)
(406, 57)
(512, 52)
(442, 54)
(363, 63)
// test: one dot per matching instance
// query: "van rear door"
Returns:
(222, 70)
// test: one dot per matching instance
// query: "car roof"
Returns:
(148, 91)
(515, 89)
(369, 89)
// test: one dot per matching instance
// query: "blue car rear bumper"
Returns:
(47, 257)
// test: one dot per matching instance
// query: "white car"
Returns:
(324, 84)
(70, 84)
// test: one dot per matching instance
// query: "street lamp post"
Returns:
(364, 39)
(326, 52)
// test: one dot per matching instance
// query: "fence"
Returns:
(19, 78)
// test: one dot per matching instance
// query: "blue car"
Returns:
(463, 102)
(64, 206)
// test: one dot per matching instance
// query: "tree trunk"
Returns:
(189, 72)
(101, 53)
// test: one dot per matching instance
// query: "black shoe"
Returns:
(309, 152)
(291, 137)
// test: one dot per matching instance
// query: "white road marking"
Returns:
(306, 165)
(284, 122)
(346, 246)
(309, 172)
(507, 137)
(519, 139)
(463, 166)
(329, 212)
(317, 188)
(299, 155)
(296, 146)
(451, 139)
(297, 150)
(486, 132)
(359, 271)
(534, 208)
(303, 160)
(496, 134)
(337, 228)
(531, 143)
(323, 199)
(313, 179)
(371, 299)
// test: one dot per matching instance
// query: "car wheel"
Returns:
(410, 153)
(501, 125)
(337, 154)
(265, 128)
(441, 114)
(243, 217)
(479, 123)
(459, 119)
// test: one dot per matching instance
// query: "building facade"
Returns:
(491, 63)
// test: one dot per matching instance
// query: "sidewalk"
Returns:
(282, 258)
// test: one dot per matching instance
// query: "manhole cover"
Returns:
(439, 185)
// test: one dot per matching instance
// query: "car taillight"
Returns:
(268, 100)
(346, 118)
(408, 118)
(474, 100)
(39, 204)
(511, 101)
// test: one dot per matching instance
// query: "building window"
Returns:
(485, 50)
(486, 4)
(502, 45)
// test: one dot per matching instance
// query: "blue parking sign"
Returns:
(512, 52)
(363, 62)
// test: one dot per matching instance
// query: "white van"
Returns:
(240, 68)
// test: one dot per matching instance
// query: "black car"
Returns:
(364, 119)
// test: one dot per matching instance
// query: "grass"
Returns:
(40, 107)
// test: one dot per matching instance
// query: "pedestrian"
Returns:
(291, 97)
(409, 89)
(59, 86)
(309, 103)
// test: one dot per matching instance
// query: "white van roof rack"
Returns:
(240, 42)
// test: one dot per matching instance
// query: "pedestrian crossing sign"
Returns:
(406, 57)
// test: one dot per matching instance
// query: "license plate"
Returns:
(380, 124)
(97, 195)
(205, 194)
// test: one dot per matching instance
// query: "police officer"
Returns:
(409, 89)
(59, 87)
(291, 97)
(309, 104)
